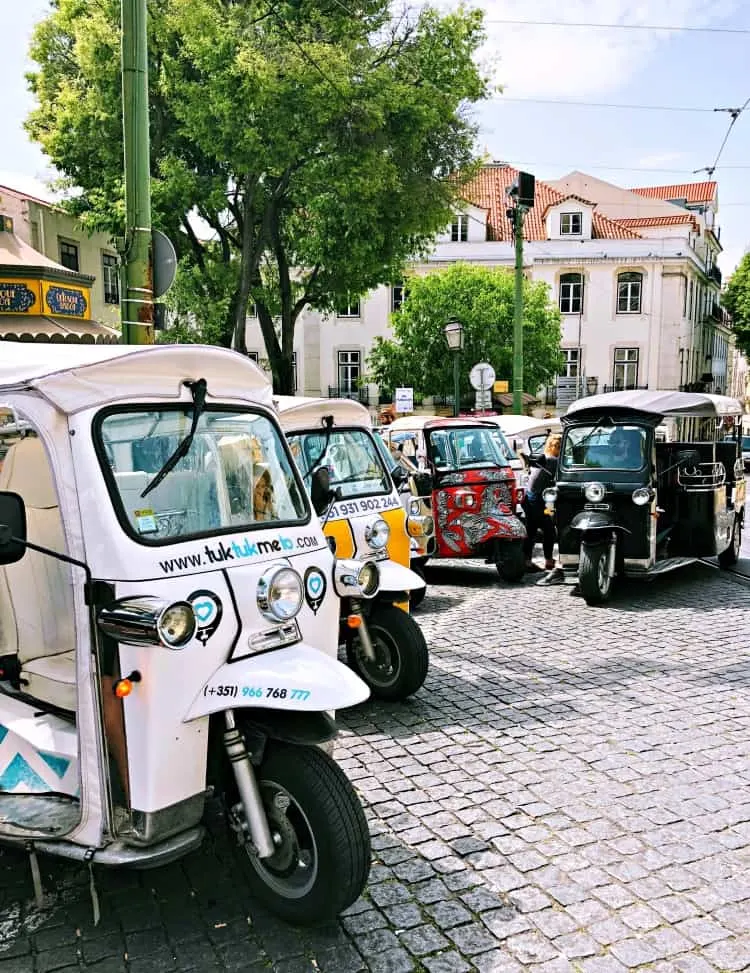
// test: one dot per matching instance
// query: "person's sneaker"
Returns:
(555, 576)
(532, 568)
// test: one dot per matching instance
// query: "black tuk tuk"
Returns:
(627, 503)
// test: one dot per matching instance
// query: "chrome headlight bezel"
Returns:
(143, 620)
(420, 526)
(377, 533)
(415, 508)
(595, 492)
(271, 606)
(550, 495)
(355, 579)
(641, 496)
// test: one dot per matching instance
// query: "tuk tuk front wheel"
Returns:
(729, 557)
(402, 658)
(510, 560)
(593, 573)
(322, 857)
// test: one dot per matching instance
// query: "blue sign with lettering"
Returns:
(16, 298)
(62, 300)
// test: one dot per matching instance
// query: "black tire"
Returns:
(403, 658)
(417, 597)
(729, 557)
(324, 832)
(510, 561)
(593, 576)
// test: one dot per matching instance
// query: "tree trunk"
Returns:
(249, 260)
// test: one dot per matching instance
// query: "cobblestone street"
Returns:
(569, 791)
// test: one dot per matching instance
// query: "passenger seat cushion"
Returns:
(52, 679)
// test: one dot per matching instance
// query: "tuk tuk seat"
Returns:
(36, 593)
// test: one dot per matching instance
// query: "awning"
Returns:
(55, 329)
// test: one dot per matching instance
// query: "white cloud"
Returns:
(659, 159)
(24, 183)
(532, 61)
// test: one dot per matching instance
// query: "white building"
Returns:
(633, 272)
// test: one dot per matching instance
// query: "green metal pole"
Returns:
(456, 383)
(520, 212)
(137, 300)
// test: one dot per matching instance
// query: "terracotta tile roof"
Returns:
(693, 192)
(660, 220)
(487, 191)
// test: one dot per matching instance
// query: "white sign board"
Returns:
(482, 376)
(483, 401)
(404, 400)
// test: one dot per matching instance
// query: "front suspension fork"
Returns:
(368, 649)
(247, 785)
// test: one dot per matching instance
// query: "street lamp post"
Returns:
(454, 336)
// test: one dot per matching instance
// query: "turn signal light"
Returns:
(354, 621)
(124, 687)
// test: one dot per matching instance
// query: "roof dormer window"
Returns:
(460, 228)
(571, 224)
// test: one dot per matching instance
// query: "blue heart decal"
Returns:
(315, 584)
(204, 610)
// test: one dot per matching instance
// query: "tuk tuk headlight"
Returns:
(594, 492)
(550, 495)
(355, 579)
(420, 526)
(279, 593)
(148, 620)
(414, 508)
(377, 534)
(641, 496)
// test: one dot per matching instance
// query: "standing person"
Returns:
(542, 476)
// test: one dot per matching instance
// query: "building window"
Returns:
(626, 368)
(571, 356)
(349, 363)
(629, 290)
(348, 310)
(571, 293)
(111, 279)
(460, 228)
(294, 371)
(69, 255)
(252, 310)
(571, 224)
(398, 296)
(254, 356)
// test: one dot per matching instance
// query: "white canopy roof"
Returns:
(513, 425)
(76, 377)
(663, 403)
(298, 412)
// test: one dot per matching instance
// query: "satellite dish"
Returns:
(163, 262)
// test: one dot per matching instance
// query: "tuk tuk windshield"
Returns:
(236, 474)
(470, 446)
(604, 447)
(351, 456)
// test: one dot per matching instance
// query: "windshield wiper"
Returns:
(198, 392)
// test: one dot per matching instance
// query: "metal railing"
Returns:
(347, 392)
(623, 388)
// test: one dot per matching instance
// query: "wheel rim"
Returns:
(385, 668)
(602, 574)
(293, 868)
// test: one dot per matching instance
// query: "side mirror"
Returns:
(12, 527)
(399, 475)
(321, 493)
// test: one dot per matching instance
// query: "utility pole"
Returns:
(136, 298)
(522, 192)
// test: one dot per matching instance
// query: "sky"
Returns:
(631, 80)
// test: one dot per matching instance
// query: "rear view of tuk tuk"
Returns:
(364, 519)
(628, 502)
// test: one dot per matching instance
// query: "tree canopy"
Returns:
(482, 299)
(736, 300)
(320, 143)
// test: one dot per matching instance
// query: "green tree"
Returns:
(319, 142)
(481, 299)
(736, 299)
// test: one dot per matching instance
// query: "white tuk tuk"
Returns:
(168, 601)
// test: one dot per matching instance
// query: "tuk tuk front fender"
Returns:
(588, 520)
(395, 577)
(296, 678)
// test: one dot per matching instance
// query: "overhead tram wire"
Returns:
(586, 24)
(710, 170)
(603, 104)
